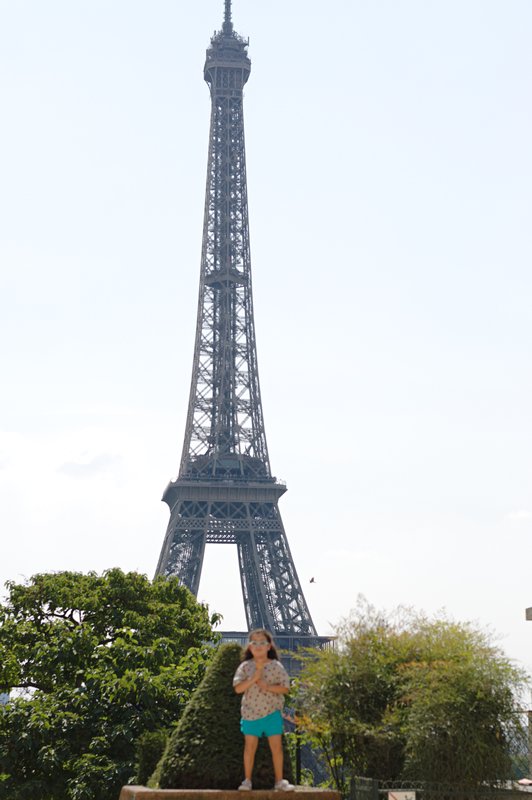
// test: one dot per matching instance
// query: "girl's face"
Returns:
(259, 646)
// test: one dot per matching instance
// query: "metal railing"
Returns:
(285, 643)
(369, 789)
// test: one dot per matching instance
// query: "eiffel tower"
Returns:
(225, 492)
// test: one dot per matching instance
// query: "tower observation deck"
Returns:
(225, 492)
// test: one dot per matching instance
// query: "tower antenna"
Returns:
(228, 25)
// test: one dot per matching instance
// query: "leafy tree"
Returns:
(206, 748)
(407, 697)
(92, 662)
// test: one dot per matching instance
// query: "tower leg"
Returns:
(184, 545)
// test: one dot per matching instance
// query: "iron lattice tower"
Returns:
(225, 492)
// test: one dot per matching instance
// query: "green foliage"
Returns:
(405, 697)
(205, 750)
(95, 661)
(150, 748)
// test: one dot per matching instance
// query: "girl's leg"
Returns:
(276, 746)
(250, 748)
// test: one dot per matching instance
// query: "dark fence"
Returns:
(521, 747)
(369, 789)
(363, 789)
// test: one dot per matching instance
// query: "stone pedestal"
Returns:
(302, 792)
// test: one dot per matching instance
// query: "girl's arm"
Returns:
(241, 687)
(283, 687)
(276, 688)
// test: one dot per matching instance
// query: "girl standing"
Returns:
(262, 681)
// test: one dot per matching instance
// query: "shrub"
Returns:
(410, 698)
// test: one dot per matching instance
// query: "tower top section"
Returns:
(228, 51)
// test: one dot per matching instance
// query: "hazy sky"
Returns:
(390, 181)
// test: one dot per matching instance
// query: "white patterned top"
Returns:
(257, 702)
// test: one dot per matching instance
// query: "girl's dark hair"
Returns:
(272, 650)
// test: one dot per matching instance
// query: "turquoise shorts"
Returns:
(271, 725)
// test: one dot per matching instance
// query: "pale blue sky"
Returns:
(390, 175)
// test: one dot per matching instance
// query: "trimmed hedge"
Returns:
(205, 750)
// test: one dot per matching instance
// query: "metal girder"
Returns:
(225, 493)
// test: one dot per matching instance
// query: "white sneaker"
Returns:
(245, 786)
(284, 786)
